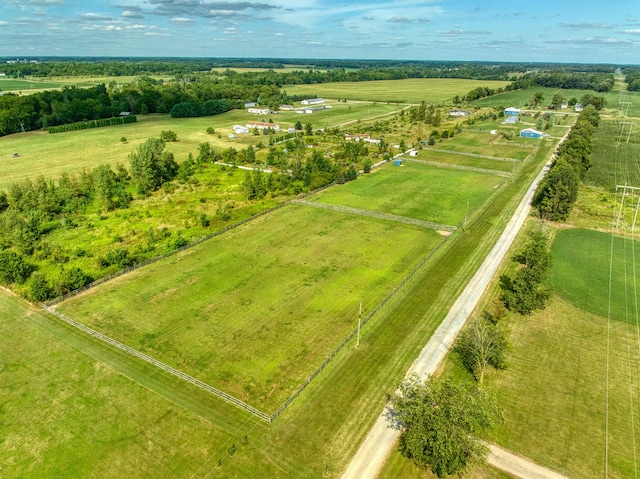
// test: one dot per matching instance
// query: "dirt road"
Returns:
(371, 456)
(518, 466)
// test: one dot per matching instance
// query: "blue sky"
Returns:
(485, 30)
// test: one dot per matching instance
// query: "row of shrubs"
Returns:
(85, 125)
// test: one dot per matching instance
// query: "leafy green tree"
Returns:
(482, 344)
(151, 165)
(13, 267)
(71, 279)
(298, 125)
(556, 101)
(439, 420)
(104, 183)
(308, 129)
(168, 135)
(526, 292)
(39, 290)
(367, 165)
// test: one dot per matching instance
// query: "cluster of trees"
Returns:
(525, 291)
(558, 191)
(632, 77)
(192, 109)
(597, 81)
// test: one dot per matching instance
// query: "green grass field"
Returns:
(260, 307)
(418, 191)
(318, 434)
(583, 262)
(461, 160)
(431, 90)
(554, 392)
(481, 142)
(10, 84)
(67, 414)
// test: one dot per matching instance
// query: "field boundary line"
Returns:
(377, 214)
(159, 364)
(453, 166)
(473, 155)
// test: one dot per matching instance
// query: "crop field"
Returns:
(66, 414)
(614, 161)
(431, 90)
(462, 160)
(258, 308)
(415, 190)
(582, 268)
(10, 84)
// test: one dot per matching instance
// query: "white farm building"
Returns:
(240, 130)
(259, 111)
(312, 101)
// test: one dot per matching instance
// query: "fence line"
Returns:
(134, 352)
(412, 276)
(221, 394)
(453, 166)
(474, 155)
(377, 214)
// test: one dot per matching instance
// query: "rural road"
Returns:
(373, 452)
(518, 466)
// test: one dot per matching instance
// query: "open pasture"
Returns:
(453, 158)
(584, 261)
(11, 84)
(255, 311)
(68, 414)
(414, 190)
(415, 90)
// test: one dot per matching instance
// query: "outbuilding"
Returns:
(531, 133)
(511, 111)
(312, 101)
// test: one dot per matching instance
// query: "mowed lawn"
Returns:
(415, 190)
(482, 142)
(585, 261)
(414, 90)
(65, 414)
(255, 311)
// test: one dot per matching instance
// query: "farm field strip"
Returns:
(473, 155)
(241, 311)
(454, 166)
(377, 214)
(415, 90)
(414, 190)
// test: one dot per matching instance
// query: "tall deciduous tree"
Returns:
(151, 165)
(480, 345)
(439, 420)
